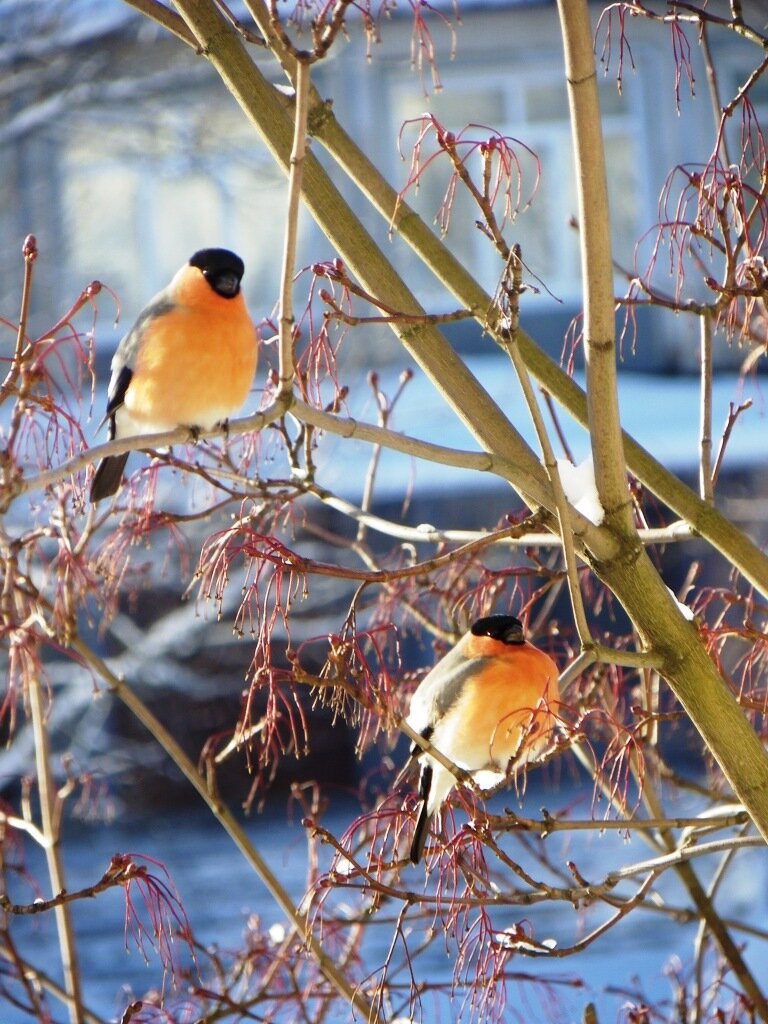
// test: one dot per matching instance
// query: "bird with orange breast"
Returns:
(189, 360)
(489, 702)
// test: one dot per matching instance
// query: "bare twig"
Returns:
(557, 425)
(385, 411)
(168, 19)
(622, 911)
(22, 825)
(45, 782)
(339, 425)
(734, 411)
(120, 872)
(526, 534)
(42, 981)
(550, 462)
(714, 91)
(705, 466)
(701, 941)
(335, 313)
(29, 253)
(48, 813)
(347, 427)
(287, 370)
(548, 824)
(181, 435)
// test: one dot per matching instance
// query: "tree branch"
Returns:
(597, 265)
(286, 370)
(50, 829)
(705, 455)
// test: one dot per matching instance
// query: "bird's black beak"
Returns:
(225, 283)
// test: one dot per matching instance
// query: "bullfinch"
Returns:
(490, 701)
(189, 360)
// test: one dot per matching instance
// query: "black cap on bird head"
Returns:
(222, 269)
(506, 628)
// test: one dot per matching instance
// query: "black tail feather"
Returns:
(420, 833)
(422, 822)
(107, 477)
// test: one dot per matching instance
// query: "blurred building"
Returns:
(123, 153)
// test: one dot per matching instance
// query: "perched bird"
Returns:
(189, 360)
(489, 701)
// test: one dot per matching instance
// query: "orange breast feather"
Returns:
(196, 363)
(506, 711)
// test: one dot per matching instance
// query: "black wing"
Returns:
(116, 397)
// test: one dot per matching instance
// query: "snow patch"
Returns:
(580, 488)
(684, 609)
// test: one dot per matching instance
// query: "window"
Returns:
(532, 107)
(142, 192)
